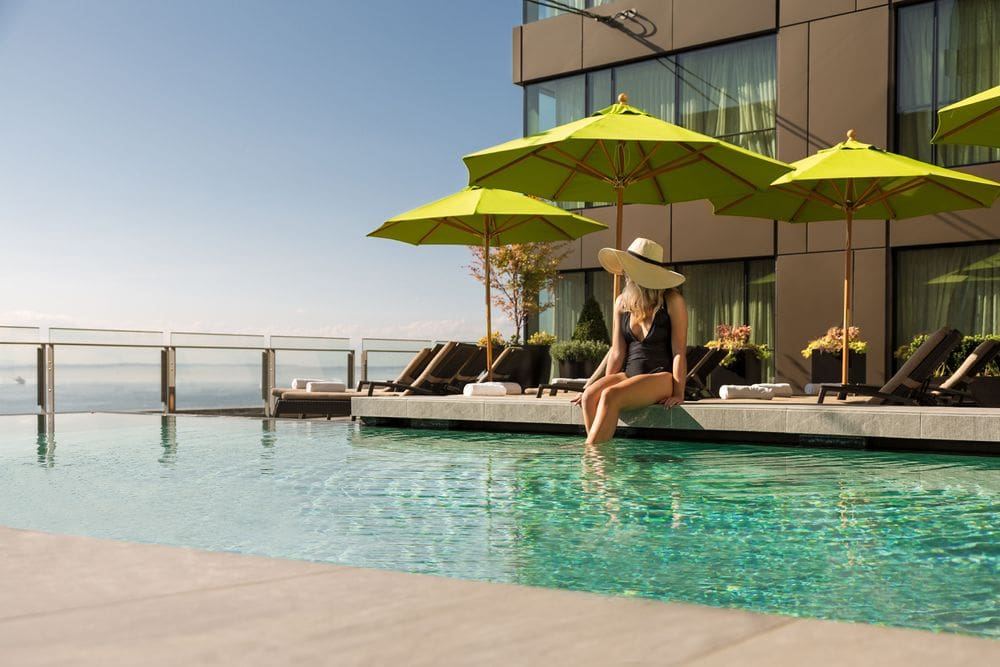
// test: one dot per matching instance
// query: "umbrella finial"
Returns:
(622, 98)
(850, 135)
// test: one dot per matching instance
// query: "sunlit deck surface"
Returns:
(83, 601)
(795, 421)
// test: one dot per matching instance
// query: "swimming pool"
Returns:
(888, 538)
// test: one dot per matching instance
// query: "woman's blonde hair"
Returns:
(641, 302)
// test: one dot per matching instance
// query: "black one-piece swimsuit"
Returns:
(652, 354)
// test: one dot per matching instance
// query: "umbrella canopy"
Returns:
(625, 155)
(486, 217)
(974, 120)
(853, 180)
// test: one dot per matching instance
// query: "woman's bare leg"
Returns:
(635, 392)
(592, 394)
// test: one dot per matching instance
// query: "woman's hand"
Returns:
(671, 401)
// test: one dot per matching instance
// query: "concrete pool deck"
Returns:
(797, 421)
(85, 601)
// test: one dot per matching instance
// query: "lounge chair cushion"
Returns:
(782, 389)
(484, 389)
(321, 385)
(731, 391)
(300, 383)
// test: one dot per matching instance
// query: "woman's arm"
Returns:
(616, 356)
(677, 309)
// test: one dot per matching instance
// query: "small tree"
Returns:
(591, 324)
(518, 275)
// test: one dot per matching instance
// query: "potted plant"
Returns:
(579, 358)
(825, 355)
(742, 363)
(539, 358)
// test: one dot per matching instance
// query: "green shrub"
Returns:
(541, 338)
(579, 350)
(958, 355)
(591, 325)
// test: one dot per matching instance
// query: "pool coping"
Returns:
(87, 601)
(795, 421)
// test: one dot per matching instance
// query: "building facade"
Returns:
(784, 78)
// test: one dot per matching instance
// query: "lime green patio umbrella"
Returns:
(856, 181)
(974, 120)
(625, 155)
(486, 217)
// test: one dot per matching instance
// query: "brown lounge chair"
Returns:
(909, 386)
(338, 403)
(439, 376)
(956, 389)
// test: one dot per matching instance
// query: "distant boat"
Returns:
(19, 380)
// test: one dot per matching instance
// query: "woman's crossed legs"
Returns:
(605, 399)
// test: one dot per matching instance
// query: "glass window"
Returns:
(733, 293)
(569, 303)
(956, 286)
(553, 103)
(728, 92)
(536, 10)
(650, 86)
(945, 50)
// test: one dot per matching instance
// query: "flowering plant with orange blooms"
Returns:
(833, 342)
(734, 339)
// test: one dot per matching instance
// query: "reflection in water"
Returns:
(168, 439)
(268, 438)
(597, 459)
(46, 440)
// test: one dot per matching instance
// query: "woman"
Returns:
(648, 361)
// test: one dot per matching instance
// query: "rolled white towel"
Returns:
(512, 388)
(782, 389)
(300, 383)
(484, 389)
(730, 391)
(325, 385)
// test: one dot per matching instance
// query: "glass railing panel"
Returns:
(386, 365)
(20, 335)
(122, 337)
(218, 340)
(310, 365)
(94, 378)
(394, 344)
(18, 379)
(309, 343)
(218, 378)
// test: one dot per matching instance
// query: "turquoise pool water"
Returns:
(896, 539)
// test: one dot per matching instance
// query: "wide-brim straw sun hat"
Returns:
(642, 263)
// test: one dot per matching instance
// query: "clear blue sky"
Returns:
(214, 165)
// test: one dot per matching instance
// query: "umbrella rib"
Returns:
(576, 163)
(645, 160)
(530, 218)
(646, 157)
(726, 170)
(558, 193)
(736, 202)
(510, 164)
(955, 192)
(800, 190)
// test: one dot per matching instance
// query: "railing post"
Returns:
(49, 402)
(364, 366)
(168, 379)
(350, 368)
(267, 364)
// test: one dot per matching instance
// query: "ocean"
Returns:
(136, 386)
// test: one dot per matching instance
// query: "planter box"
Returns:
(577, 369)
(536, 366)
(745, 370)
(827, 367)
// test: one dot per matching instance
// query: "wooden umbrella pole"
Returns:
(620, 192)
(847, 300)
(489, 323)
